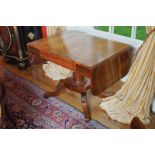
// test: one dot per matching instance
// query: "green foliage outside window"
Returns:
(126, 31)
(141, 33)
(123, 30)
(102, 28)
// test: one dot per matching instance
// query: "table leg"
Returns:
(85, 106)
(57, 92)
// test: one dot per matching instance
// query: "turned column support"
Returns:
(78, 80)
(76, 83)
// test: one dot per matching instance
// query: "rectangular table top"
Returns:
(79, 47)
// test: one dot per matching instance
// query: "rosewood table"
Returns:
(96, 63)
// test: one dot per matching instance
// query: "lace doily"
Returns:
(55, 71)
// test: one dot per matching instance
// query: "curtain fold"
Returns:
(137, 94)
(149, 29)
(51, 30)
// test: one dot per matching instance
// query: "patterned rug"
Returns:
(28, 109)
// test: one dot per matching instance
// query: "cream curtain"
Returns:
(51, 69)
(51, 30)
(137, 94)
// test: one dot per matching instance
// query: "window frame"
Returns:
(110, 35)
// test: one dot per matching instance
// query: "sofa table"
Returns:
(96, 63)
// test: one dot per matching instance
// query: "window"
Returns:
(132, 35)
(134, 32)
(141, 33)
(123, 30)
(102, 28)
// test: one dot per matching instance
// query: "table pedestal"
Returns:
(78, 84)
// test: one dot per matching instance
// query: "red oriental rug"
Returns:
(27, 108)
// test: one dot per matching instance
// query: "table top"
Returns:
(79, 47)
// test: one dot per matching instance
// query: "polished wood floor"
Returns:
(36, 76)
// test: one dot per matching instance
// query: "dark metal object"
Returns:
(13, 43)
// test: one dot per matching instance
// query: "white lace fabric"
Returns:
(56, 72)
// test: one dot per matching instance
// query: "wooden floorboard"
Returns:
(36, 76)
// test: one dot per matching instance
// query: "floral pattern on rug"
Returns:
(28, 109)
